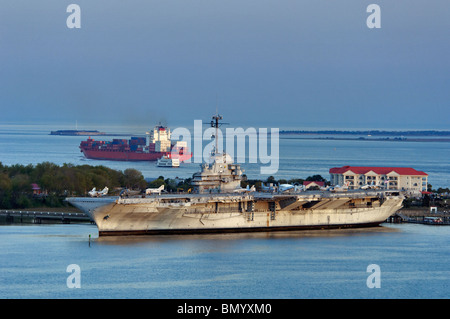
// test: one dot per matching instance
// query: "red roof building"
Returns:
(36, 189)
(377, 170)
(403, 178)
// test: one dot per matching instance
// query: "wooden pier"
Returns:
(424, 216)
(42, 217)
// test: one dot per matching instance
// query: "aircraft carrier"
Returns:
(219, 204)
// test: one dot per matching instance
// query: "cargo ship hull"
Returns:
(235, 213)
(151, 148)
(122, 155)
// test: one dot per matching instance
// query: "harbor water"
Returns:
(412, 259)
(299, 156)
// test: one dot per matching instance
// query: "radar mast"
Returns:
(215, 123)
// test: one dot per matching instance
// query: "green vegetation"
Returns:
(47, 184)
(54, 183)
(172, 185)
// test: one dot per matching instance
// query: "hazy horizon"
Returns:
(287, 64)
(140, 129)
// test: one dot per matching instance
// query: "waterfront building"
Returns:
(403, 178)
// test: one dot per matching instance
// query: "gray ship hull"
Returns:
(218, 213)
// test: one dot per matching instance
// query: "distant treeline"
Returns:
(47, 184)
(373, 133)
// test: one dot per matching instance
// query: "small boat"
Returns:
(166, 161)
(433, 220)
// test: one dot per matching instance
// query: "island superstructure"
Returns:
(219, 204)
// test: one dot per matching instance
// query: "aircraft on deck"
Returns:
(269, 188)
(96, 193)
(370, 186)
(158, 190)
(286, 187)
(248, 189)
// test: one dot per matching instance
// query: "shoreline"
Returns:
(376, 135)
(371, 132)
(387, 139)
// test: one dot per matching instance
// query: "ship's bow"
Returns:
(91, 205)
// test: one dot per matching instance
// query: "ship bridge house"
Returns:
(403, 178)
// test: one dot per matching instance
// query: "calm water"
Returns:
(299, 157)
(413, 261)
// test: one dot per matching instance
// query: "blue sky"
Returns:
(284, 63)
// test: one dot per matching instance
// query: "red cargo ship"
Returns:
(155, 145)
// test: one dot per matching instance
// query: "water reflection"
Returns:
(273, 235)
